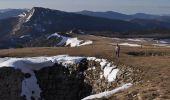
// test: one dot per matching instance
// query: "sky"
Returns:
(123, 6)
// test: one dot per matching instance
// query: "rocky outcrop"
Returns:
(95, 77)
(60, 83)
(57, 78)
(56, 82)
(10, 84)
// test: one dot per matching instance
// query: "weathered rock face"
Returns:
(94, 77)
(59, 81)
(10, 84)
(56, 82)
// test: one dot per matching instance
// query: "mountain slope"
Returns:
(144, 16)
(120, 16)
(108, 14)
(6, 26)
(32, 27)
(151, 23)
(42, 20)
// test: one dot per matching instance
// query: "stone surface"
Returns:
(57, 83)
(10, 84)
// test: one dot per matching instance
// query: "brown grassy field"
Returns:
(154, 63)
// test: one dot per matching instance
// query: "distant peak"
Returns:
(39, 9)
(36, 8)
(86, 11)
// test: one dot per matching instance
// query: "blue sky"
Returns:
(124, 6)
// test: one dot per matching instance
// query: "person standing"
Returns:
(117, 51)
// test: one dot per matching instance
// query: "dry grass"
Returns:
(155, 69)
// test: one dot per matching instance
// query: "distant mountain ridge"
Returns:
(107, 14)
(121, 16)
(44, 20)
(7, 13)
(39, 22)
(147, 21)
(36, 24)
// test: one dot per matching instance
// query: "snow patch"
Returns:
(107, 94)
(68, 41)
(29, 65)
(75, 42)
(164, 41)
(23, 36)
(22, 15)
(136, 40)
(112, 75)
(162, 45)
(30, 15)
(109, 71)
(88, 42)
(130, 44)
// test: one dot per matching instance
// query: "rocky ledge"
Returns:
(57, 78)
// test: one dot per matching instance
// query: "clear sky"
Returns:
(123, 6)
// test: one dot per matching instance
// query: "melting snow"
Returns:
(30, 64)
(30, 15)
(54, 35)
(23, 36)
(136, 39)
(72, 42)
(110, 71)
(130, 44)
(112, 75)
(164, 41)
(161, 45)
(107, 94)
(22, 15)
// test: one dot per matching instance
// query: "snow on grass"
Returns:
(130, 44)
(164, 41)
(161, 45)
(68, 41)
(136, 39)
(107, 94)
(88, 42)
(73, 42)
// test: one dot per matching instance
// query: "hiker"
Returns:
(117, 51)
